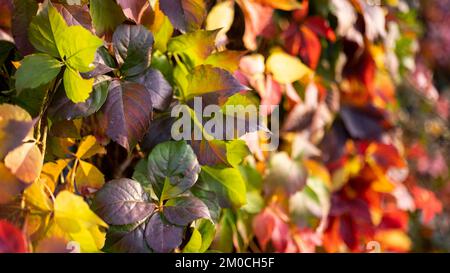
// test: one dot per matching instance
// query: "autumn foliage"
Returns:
(88, 161)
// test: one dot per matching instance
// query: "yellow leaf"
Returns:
(36, 225)
(221, 17)
(161, 28)
(394, 240)
(287, 69)
(51, 171)
(12, 131)
(73, 219)
(16, 64)
(25, 162)
(10, 186)
(88, 177)
(315, 169)
(38, 196)
(89, 147)
(281, 4)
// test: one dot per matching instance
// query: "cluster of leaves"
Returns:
(86, 148)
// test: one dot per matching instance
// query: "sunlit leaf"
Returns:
(228, 60)
(88, 178)
(287, 69)
(214, 82)
(89, 147)
(25, 162)
(77, 88)
(193, 47)
(221, 17)
(47, 29)
(227, 183)
(77, 47)
(73, 218)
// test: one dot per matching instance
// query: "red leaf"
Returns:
(263, 226)
(321, 27)
(12, 239)
(426, 201)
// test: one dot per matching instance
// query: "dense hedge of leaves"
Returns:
(87, 161)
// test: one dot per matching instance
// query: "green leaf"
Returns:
(77, 88)
(255, 203)
(227, 183)
(173, 169)
(194, 47)
(195, 242)
(36, 70)
(207, 229)
(133, 49)
(77, 47)
(106, 16)
(46, 30)
(140, 172)
(237, 150)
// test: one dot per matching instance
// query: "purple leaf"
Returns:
(122, 202)
(362, 123)
(158, 132)
(183, 210)
(24, 10)
(122, 240)
(133, 9)
(133, 48)
(162, 236)
(160, 90)
(62, 108)
(185, 15)
(128, 111)
(75, 15)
